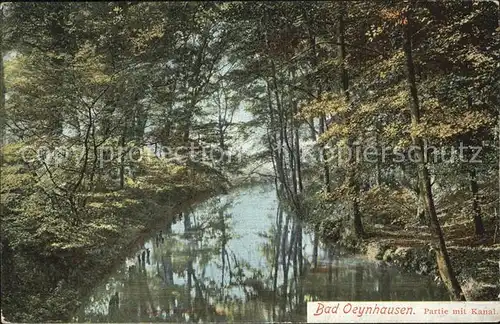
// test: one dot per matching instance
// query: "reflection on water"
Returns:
(240, 258)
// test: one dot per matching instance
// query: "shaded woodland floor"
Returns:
(475, 260)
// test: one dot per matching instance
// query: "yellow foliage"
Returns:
(447, 126)
(337, 131)
(331, 104)
(15, 73)
(90, 65)
(144, 36)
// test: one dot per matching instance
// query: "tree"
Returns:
(443, 259)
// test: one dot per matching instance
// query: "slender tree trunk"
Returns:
(292, 162)
(296, 126)
(284, 259)
(322, 126)
(443, 259)
(223, 247)
(283, 138)
(312, 129)
(294, 258)
(58, 40)
(421, 217)
(279, 224)
(299, 248)
(378, 175)
(122, 161)
(315, 246)
(281, 180)
(476, 208)
(291, 258)
(357, 225)
(324, 155)
(299, 262)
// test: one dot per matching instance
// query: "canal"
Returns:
(233, 259)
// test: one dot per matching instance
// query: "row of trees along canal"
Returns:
(382, 75)
(378, 74)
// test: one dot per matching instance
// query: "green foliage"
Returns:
(125, 75)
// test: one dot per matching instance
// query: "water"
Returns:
(217, 263)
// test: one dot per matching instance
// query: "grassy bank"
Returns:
(50, 264)
(154, 213)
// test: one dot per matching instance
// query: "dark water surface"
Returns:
(218, 263)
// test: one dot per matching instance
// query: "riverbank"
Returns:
(476, 261)
(47, 285)
(155, 214)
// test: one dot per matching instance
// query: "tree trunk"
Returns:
(273, 141)
(294, 259)
(357, 225)
(326, 169)
(324, 155)
(284, 259)
(443, 259)
(299, 248)
(421, 217)
(58, 41)
(298, 162)
(279, 224)
(378, 170)
(476, 208)
(312, 129)
(291, 258)
(223, 247)
(122, 161)
(315, 246)
(283, 138)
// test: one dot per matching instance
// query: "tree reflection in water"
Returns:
(240, 258)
